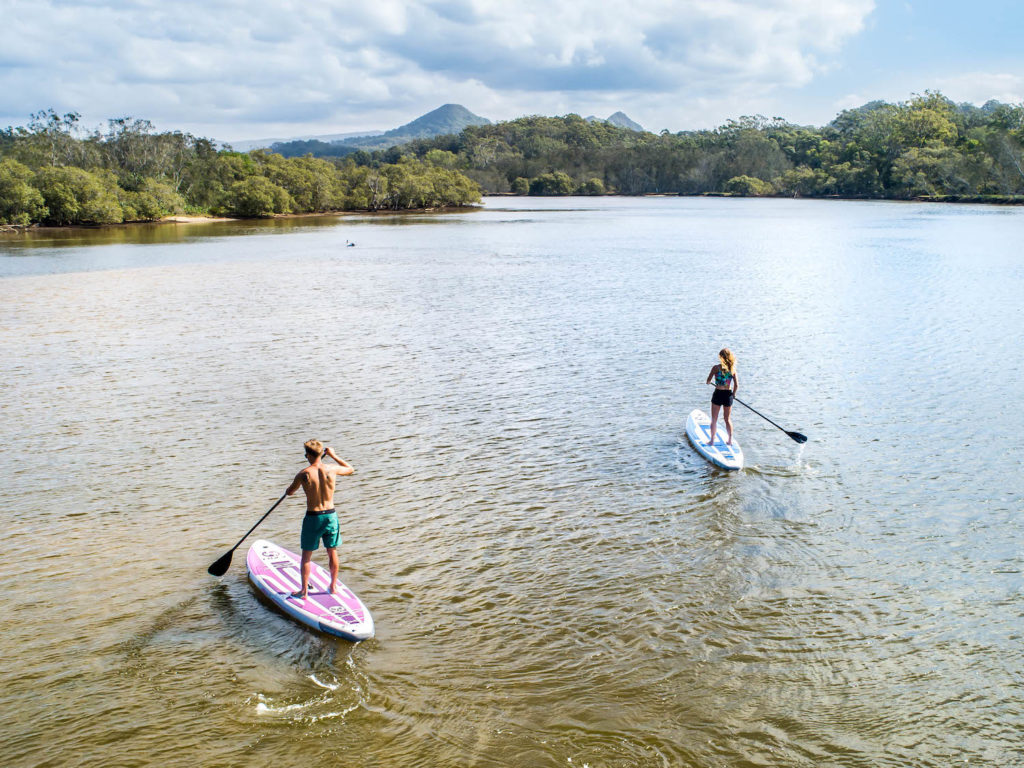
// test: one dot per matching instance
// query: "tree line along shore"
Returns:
(927, 147)
(53, 173)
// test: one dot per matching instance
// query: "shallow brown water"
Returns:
(556, 577)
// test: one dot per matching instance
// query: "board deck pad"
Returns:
(276, 573)
(698, 429)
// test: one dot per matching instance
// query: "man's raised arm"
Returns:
(345, 468)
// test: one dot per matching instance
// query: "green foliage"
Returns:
(803, 182)
(878, 150)
(411, 183)
(256, 197)
(748, 186)
(442, 158)
(51, 173)
(151, 202)
(302, 147)
(20, 202)
(312, 183)
(556, 183)
(76, 196)
(929, 170)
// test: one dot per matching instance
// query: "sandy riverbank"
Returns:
(192, 219)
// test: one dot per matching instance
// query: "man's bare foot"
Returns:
(710, 444)
(333, 588)
(300, 595)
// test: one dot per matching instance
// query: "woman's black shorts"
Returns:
(722, 397)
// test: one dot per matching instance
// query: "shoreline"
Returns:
(15, 229)
(9, 229)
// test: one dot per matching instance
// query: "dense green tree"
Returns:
(803, 182)
(256, 197)
(748, 186)
(152, 200)
(930, 170)
(76, 196)
(442, 158)
(20, 202)
(557, 183)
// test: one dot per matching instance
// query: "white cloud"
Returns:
(979, 87)
(234, 69)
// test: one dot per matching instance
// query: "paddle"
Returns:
(795, 435)
(220, 567)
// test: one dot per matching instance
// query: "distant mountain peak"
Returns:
(619, 119)
(622, 120)
(448, 118)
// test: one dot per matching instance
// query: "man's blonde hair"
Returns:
(314, 447)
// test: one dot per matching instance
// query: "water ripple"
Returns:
(556, 577)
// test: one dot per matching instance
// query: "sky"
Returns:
(232, 70)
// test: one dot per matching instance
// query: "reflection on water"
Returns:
(556, 577)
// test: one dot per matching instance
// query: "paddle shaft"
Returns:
(220, 567)
(796, 436)
(283, 497)
(755, 411)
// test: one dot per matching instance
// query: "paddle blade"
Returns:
(798, 437)
(220, 567)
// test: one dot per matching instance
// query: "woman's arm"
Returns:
(712, 374)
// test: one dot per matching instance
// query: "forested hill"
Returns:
(925, 147)
(52, 172)
(447, 119)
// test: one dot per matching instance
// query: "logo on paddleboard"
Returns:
(339, 612)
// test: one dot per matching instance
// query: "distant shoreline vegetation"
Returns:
(51, 172)
(924, 148)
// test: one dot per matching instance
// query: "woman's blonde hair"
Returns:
(727, 360)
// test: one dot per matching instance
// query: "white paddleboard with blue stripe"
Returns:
(698, 429)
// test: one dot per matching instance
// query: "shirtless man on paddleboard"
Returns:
(321, 521)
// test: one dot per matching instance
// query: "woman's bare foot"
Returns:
(300, 595)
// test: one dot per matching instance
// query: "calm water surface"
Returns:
(557, 578)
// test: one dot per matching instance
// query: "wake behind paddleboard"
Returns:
(698, 429)
(276, 573)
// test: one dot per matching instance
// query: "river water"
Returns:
(557, 578)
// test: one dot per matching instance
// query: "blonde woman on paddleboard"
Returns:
(726, 384)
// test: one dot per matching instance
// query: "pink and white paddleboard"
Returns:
(275, 572)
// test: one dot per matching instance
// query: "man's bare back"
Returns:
(317, 482)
